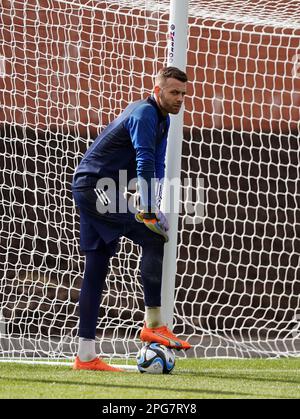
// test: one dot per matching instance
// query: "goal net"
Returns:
(67, 69)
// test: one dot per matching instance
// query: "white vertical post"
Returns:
(177, 56)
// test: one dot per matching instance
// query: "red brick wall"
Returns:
(73, 69)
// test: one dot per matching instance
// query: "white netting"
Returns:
(67, 68)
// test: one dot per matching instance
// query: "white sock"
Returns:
(86, 350)
(153, 317)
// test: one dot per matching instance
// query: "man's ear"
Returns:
(156, 90)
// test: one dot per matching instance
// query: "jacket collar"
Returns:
(151, 99)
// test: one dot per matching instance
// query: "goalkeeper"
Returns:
(135, 142)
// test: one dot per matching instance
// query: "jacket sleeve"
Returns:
(160, 157)
(142, 127)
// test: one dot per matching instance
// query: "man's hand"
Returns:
(155, 221)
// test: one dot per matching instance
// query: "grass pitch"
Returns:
(191, 379)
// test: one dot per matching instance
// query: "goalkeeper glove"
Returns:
(155, 221)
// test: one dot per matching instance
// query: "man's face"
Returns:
(170, 95)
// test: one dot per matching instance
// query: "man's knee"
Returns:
(154, 243)
(144, 237)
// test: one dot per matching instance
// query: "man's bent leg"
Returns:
(151, 264)
(151, 273)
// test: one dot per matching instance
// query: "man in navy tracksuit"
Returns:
(133, 146)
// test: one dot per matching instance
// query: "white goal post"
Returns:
(177, 55)
(232, 276)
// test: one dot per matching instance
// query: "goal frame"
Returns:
(177, 57)
(231, 268)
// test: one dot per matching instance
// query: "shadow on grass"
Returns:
(239, 376)
(194, 392)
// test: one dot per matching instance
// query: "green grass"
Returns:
(192, 379)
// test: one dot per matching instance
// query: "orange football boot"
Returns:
(164, 336)
(96, 364)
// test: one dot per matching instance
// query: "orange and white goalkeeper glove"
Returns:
(155, 221)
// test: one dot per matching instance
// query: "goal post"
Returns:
(177, 56)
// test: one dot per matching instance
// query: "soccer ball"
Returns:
(155, 359)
